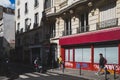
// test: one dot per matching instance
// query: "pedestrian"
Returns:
(36, 63)
(102, 62)
(60, 62)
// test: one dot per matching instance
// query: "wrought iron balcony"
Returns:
(67, 32)
(53, 35)
(107, 23)
(82, 29)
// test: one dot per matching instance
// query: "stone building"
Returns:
(7, 31)
(31, 39)
(81, 29)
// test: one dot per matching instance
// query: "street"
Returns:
(47, 76)
(21, 72)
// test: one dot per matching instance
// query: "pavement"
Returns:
(85, 74)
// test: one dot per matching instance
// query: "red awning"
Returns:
(103, 35)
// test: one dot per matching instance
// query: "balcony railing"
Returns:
(67, 32)
(53, 35)
(83, 29)
(107, 23)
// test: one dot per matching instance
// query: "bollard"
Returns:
(114, 72)
(63, 67)
(80, 69)
(106, 74)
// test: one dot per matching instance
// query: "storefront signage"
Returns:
(68, 64)
(109, 67)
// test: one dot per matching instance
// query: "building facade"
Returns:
(7, 31)
(81, 29)
(30, 42)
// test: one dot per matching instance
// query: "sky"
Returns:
(8, 3)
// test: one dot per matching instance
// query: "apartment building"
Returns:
(81, 29)
(30, 42)
(7, 31)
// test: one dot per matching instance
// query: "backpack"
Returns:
(105, 61)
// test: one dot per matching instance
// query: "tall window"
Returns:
(83, 22)
(108, 16)
(18, 13)
(18, 2)
(108, 12)
(67, 26)
(26, 8)
(18, 27)
(36, 18)
(36, 3)
(47, 4)
(52, 29)
(27, 27)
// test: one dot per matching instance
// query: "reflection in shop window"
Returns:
(110, 53)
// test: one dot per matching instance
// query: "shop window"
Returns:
(66, 55)
(82, 55)
(69, 55)
(78, 55)
(110, 53)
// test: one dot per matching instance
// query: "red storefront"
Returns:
(83, 49)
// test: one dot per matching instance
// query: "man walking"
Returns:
(102, 62)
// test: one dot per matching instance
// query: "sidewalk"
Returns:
(85, 74)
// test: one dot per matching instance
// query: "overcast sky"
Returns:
(8, 3)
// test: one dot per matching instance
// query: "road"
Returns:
(20, 72)
(47, 76)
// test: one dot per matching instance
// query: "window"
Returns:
(83, 23)
(69, 55)
(18, 13)
(67, 26)
(108, 12)
(36, 38)
(83, 55)
(18, 27)
(53, 29)
(109, 52)
(26, 8)
(27, 27)
(47, 4)
(108, 16)
(18, 2)
(36, 18)
(36, 3)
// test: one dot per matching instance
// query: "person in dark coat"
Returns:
(101, 64)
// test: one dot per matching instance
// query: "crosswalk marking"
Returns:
(36, 74)
(23, 76)
(52, 74)
(41, 74)
(33, 75)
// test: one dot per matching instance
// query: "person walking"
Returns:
(102, 62)
(36, 64)
(60, 62)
